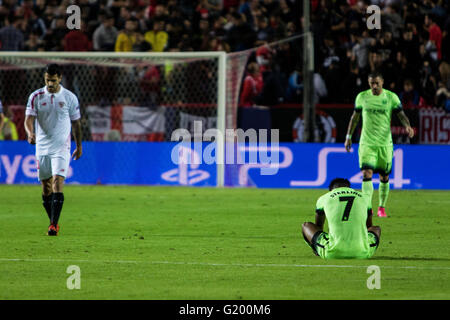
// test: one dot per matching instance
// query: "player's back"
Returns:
(346, 211)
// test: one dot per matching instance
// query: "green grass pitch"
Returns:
(208, 243)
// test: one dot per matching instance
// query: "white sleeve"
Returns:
(74, 109)
(31, 105)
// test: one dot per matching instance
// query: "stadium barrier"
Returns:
(300, 166)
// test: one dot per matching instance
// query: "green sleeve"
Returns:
(359, 102)
(396, 103)
(320, 206)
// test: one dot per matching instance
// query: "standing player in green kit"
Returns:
(376, 149)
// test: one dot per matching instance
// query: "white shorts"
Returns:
(52, 165)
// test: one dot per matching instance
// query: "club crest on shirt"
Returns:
(61, 104)
(44, 104)
(384, 101)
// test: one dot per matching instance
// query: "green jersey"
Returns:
(376, 115)
(346, 211)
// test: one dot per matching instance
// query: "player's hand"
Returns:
(31, 138)
(348, 145)
(77, 153)
(410, 131)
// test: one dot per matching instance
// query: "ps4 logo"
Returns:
(398, 181)
(187, 172)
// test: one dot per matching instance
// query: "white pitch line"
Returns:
(259, 265)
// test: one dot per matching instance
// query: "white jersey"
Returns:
(54, 113)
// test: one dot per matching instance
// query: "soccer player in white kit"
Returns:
(54, 110)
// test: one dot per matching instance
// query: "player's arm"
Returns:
(405, 122)
(369, 218)
(76, 130)
(29, 128)
(354, 120)
(320, 218)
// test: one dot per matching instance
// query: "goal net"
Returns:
(135, 97)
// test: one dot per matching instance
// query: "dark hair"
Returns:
(53, 69)
(375, 74)
(339, 182)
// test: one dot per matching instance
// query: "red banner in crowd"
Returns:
(434, 126)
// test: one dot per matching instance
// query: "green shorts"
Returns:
(320, 245)
(379, 159)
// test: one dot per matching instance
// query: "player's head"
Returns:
(52, 77)
(376, 82)
(339, 183)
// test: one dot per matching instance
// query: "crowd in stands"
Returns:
(411, 49)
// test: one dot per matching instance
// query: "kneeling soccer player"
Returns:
(349, 214)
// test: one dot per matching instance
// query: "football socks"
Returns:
(57, 204)
(47, 203)
(367, 187)
(383, 193)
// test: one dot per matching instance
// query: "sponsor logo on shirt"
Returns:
(375, 111)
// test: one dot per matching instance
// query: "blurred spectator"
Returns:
(11, 38)
(240, 36)
(124, 16)
(320, 88)
(410, 97)
(329, 52)
(127, 37)
(361, 49)
(391, 20)
(352, 84)
(273, 91)
(140, 45)
(410, 45)
(105, 35)
(285, 12)
(264, 32)
(55, 34)
(332, 76)
(252, 85)
(77, 40)
(387, 47)
(37, 25)
(150, 84)
(33, 43)
(294, 90)
(442, 98)
(157, 37)
(434, 43)
(202, 37)
(428, 83)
